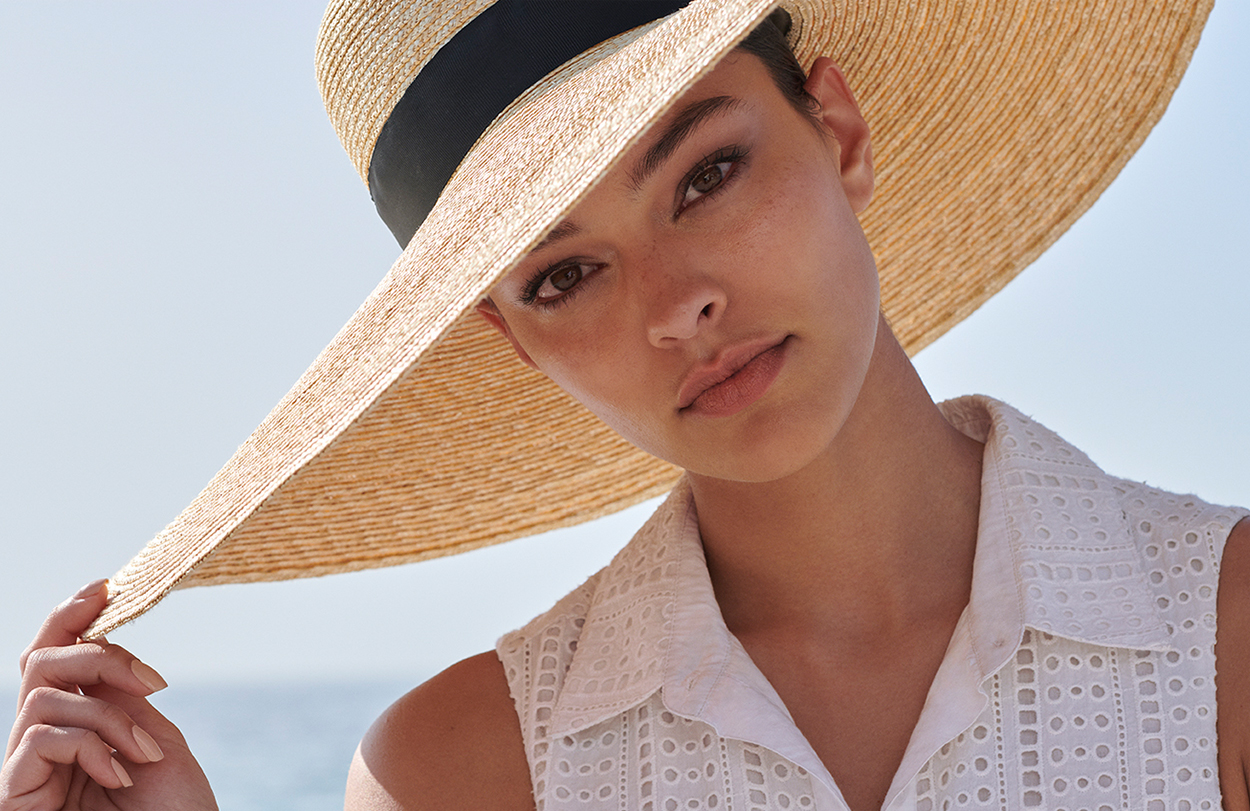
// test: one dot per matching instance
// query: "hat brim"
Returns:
(416, 433)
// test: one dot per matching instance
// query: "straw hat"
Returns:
(416, 433)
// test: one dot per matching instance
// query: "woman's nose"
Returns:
(681, 308)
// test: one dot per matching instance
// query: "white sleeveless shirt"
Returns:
(1080, 675)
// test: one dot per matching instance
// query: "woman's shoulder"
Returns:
(453, 742)
(456, 740)
(1232, 653)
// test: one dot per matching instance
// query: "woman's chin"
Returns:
(770, 458)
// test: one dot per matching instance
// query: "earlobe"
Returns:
(840, 114)
(487, 310)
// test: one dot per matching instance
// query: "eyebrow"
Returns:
(676, 132)
(564, 230)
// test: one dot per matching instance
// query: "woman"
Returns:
(815, 564)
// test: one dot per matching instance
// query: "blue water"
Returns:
(277, 747)
(280, 747)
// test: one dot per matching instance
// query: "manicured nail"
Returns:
(91, 589)
(148, 744)
(150, 678)
(121, 774)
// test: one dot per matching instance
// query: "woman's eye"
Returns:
(555, 285)
(564, 278)
(711, 176)
(706, 180)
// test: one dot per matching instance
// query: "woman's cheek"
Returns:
(578, 357)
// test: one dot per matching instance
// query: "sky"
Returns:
(181, 233)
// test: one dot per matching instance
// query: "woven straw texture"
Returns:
(416, 433)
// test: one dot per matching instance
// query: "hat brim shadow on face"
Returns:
(417, 433)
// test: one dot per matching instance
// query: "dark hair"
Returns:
(769, 42)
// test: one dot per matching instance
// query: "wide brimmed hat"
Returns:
(416, 433)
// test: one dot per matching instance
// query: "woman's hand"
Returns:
(85, 736)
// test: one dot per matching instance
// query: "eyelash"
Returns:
(529, 294)
(731, 154)
(735, 155)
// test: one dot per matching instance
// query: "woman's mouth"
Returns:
(738, 378)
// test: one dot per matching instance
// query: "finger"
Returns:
(69, 619)
(87, 664)
(30, 770)
(57, 708)
(167, 735)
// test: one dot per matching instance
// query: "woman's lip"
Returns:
(739, 377)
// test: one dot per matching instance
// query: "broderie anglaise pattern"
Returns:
(1102, 698)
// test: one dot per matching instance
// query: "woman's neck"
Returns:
(876, 534)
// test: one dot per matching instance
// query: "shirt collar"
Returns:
(1055, 550)
(678, 645)
(1054, 553)
(628, 630)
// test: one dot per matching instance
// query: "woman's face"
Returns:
(714, 299)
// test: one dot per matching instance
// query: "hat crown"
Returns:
(367, 55)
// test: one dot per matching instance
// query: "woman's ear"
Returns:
(487, 309)
(839, 112)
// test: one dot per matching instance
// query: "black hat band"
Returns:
(482, 69)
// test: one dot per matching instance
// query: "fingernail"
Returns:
(91, 589)
(121, 774)
(150, 678)
(148, 744)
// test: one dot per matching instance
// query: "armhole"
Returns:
(1220, 540)
(514, 651)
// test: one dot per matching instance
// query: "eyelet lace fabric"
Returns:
(1081, 675)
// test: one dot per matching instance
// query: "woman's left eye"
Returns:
(709, 177)
(706, 181)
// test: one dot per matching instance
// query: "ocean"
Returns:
(277, 747)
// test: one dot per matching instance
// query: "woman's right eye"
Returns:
(563, 279)
(557, 284)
